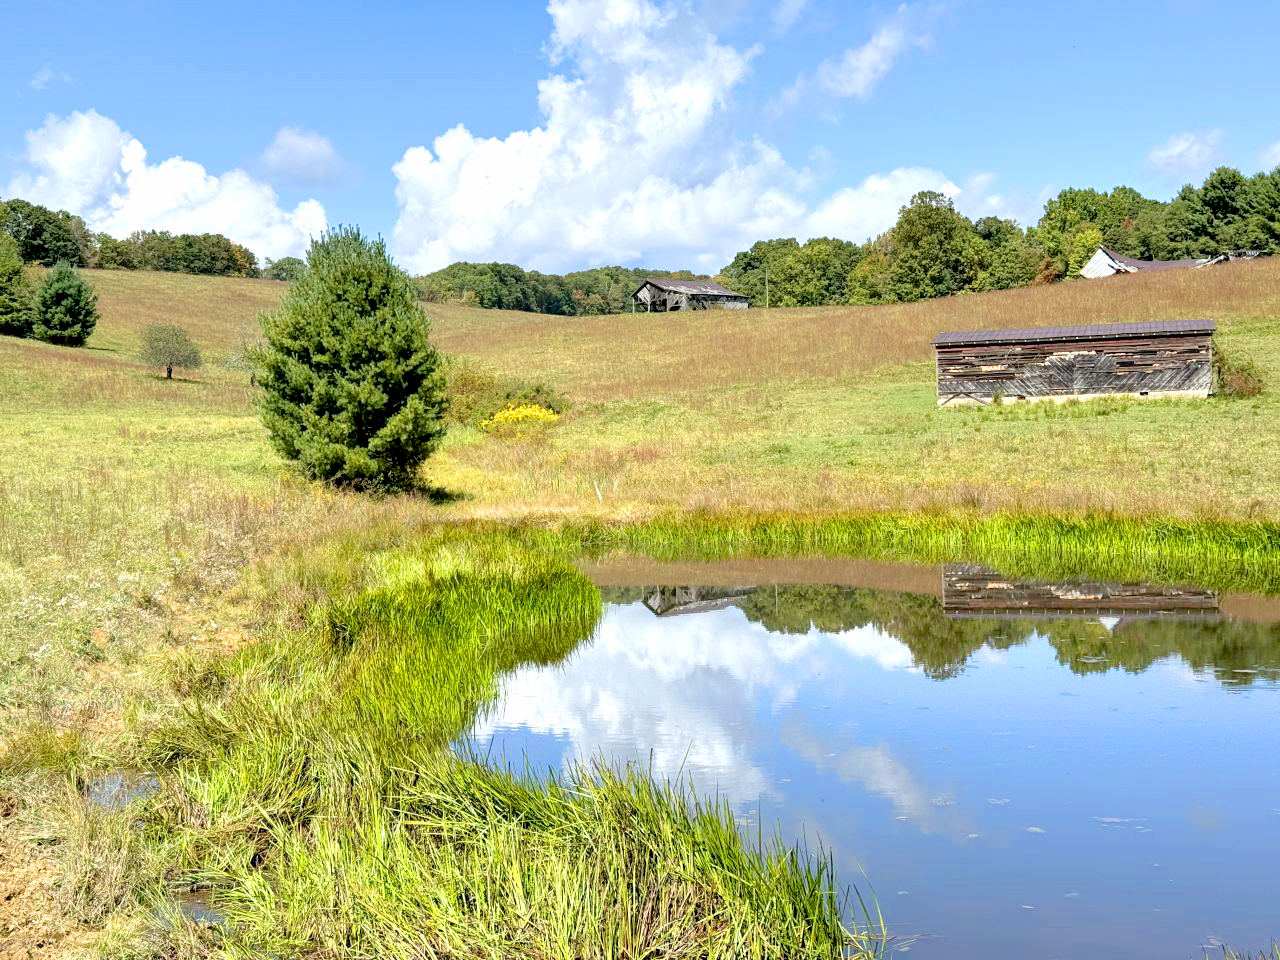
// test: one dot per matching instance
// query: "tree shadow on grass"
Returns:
(437, 495)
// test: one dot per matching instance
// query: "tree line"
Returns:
(505, 286)
(49, 237)
(932, 250)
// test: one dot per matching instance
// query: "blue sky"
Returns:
(597, 131)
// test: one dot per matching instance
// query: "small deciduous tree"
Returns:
(286, 268)
(352, 391)
(15, 291)
(66, 308)
(164, 345)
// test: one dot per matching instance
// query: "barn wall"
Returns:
(1172, 364)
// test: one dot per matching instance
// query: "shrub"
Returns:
(15, 291)
(164, 345)
(66, 308)
(351, 388)
(1236, 375)
(517, 419)
(475, 394)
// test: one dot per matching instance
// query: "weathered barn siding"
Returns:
(1063, 363)
(661, 296)
(972, 591)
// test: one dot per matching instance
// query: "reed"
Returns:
(321, 799)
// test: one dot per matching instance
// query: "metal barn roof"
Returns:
(1090, 331)
(699, 287)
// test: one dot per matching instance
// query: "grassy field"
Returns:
(153, 550)
(815, 410)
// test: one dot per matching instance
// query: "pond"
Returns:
(1012, 767)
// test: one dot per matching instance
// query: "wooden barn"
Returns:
(660, 296)
(1160, 359)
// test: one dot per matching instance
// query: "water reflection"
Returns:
(1094, 627)
(1078, 785)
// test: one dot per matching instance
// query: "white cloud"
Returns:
(303, 156)
(47, 75)
(1186, 154)
(787, 12)
(857, 72)
(1270, 157)
(634, 160)
(856, 213)
(87, 164)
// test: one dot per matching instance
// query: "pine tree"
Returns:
(15, 291)
(352, 391)
(66, 308)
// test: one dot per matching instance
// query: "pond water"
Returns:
(1013, 768)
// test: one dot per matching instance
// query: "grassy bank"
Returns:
(172, 600)
(307, 782)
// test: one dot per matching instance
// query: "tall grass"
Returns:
(321, 799)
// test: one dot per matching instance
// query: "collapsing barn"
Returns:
(1108, 263)
(1165, 358)
(659, 296)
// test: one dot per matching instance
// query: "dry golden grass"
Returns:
(634, 355)
(220, 313)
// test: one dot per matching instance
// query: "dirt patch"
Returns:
(31, 925)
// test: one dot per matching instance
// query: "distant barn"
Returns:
(1107, 263)
(1166, 358)
(660, 296)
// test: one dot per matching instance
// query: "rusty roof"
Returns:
(1089, 331)
(707, 288)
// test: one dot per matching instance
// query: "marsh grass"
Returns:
(323, 802)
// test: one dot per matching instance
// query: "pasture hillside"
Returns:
(804, 409)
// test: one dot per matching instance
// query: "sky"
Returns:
(663, 133)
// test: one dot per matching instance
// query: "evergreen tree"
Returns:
(66, 308)
(15, 291)
(352, 390)
(164, 345)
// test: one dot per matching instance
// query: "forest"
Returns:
(48, 237)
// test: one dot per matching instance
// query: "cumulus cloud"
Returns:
(1270, 156)
(1186, 154)
(859, 212)
(303, 156)
(47, 75)
(635, 159)
(87, 164)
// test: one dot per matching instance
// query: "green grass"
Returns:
(314, 788)
(170, 597)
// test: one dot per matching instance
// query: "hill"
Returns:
(809, 409)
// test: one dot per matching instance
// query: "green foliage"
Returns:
(286, 268)
(16, 308)
(351, 390)
(1236, 375)
(475, 394)
(66, 308)
(45, 236)
(207, 253)
(504, 286)
(168, 346)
